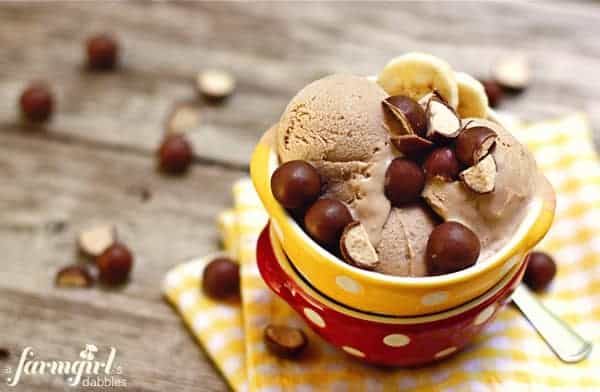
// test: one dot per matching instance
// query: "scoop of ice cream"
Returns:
(336, 119)
(337, 124)
(404, 239)
(493, 216)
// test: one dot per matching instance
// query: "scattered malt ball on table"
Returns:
(284, 341)
(183, 118)
(37, 102)
(175, 154)
(221, 278)
(512, 73)
(4, 353)
(74, 276)
(115, 264)
(92, 242)
(215, 85)
(540, 271)
(102, 52)
(493, 91)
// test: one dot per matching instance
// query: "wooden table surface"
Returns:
(92, 161)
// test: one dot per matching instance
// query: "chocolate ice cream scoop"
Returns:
(337, 124)
(494, 216)
(326, 118)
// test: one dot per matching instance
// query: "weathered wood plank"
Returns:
(155, 354)
(46, 182)
(274, 49)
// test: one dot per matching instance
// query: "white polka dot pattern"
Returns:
(435, 298)
(314, 317)
(396, 340)
(353, 351)
(445, 352)
(485, 315)
(348, 284)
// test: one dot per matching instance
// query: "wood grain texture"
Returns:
(91, 162)
(45, 182)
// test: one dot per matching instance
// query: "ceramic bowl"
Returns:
(392, 295)
(392, 341)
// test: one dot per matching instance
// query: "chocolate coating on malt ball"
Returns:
(409, 113)
(451, 247)
(284, 341)
(404, 181)
(221, 278)
(442, 163)
(493, 91)
(175, 154)
(4, 353)
(411, 145)
(474, 143)
(540, 271)
(115, 264)
(37, 103)
(296, 184)
(325, 221)
(102, 52)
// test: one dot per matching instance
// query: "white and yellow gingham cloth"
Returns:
(509, 356)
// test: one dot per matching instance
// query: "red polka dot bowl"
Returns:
(382, 340)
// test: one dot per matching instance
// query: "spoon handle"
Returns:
(562, 339)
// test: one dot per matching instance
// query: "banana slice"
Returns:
(417, 74)
(472, 100)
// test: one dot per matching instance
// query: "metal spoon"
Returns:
(562, 339)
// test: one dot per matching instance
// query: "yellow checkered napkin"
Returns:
(216, 325)
(509, 356)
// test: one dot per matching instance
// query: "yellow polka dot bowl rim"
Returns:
(374, 292)
(383, 340)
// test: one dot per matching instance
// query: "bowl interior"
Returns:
(298, 280)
